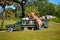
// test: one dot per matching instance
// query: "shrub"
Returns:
(55, 19)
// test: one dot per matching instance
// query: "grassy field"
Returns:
(51, 33)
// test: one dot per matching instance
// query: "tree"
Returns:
(46, 8)
(9, 2)
(57, 9)
(9, 12)
(3, 4)
(18, 10)
(32, 5)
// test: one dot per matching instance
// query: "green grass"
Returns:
(52, 33)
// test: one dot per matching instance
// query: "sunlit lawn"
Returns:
(51, 33)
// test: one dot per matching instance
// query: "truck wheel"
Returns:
(10, 29)
(45, 26)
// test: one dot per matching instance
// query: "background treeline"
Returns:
(41, 7)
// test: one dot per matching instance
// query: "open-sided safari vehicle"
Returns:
(25, 24)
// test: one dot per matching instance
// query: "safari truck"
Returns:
(26, 24)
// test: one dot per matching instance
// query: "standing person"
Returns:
(37, 19)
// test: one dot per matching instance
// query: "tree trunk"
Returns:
(3, 17)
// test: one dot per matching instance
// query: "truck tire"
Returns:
(10, 29)
(45, 26)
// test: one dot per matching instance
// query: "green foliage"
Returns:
(32, 6)
(14, 18)
(46, 8)
(9, 12)
(55, 20)
(42, 7)
(18, 11)
(57, 11)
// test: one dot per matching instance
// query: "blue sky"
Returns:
(11, 6)
(55, 1)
